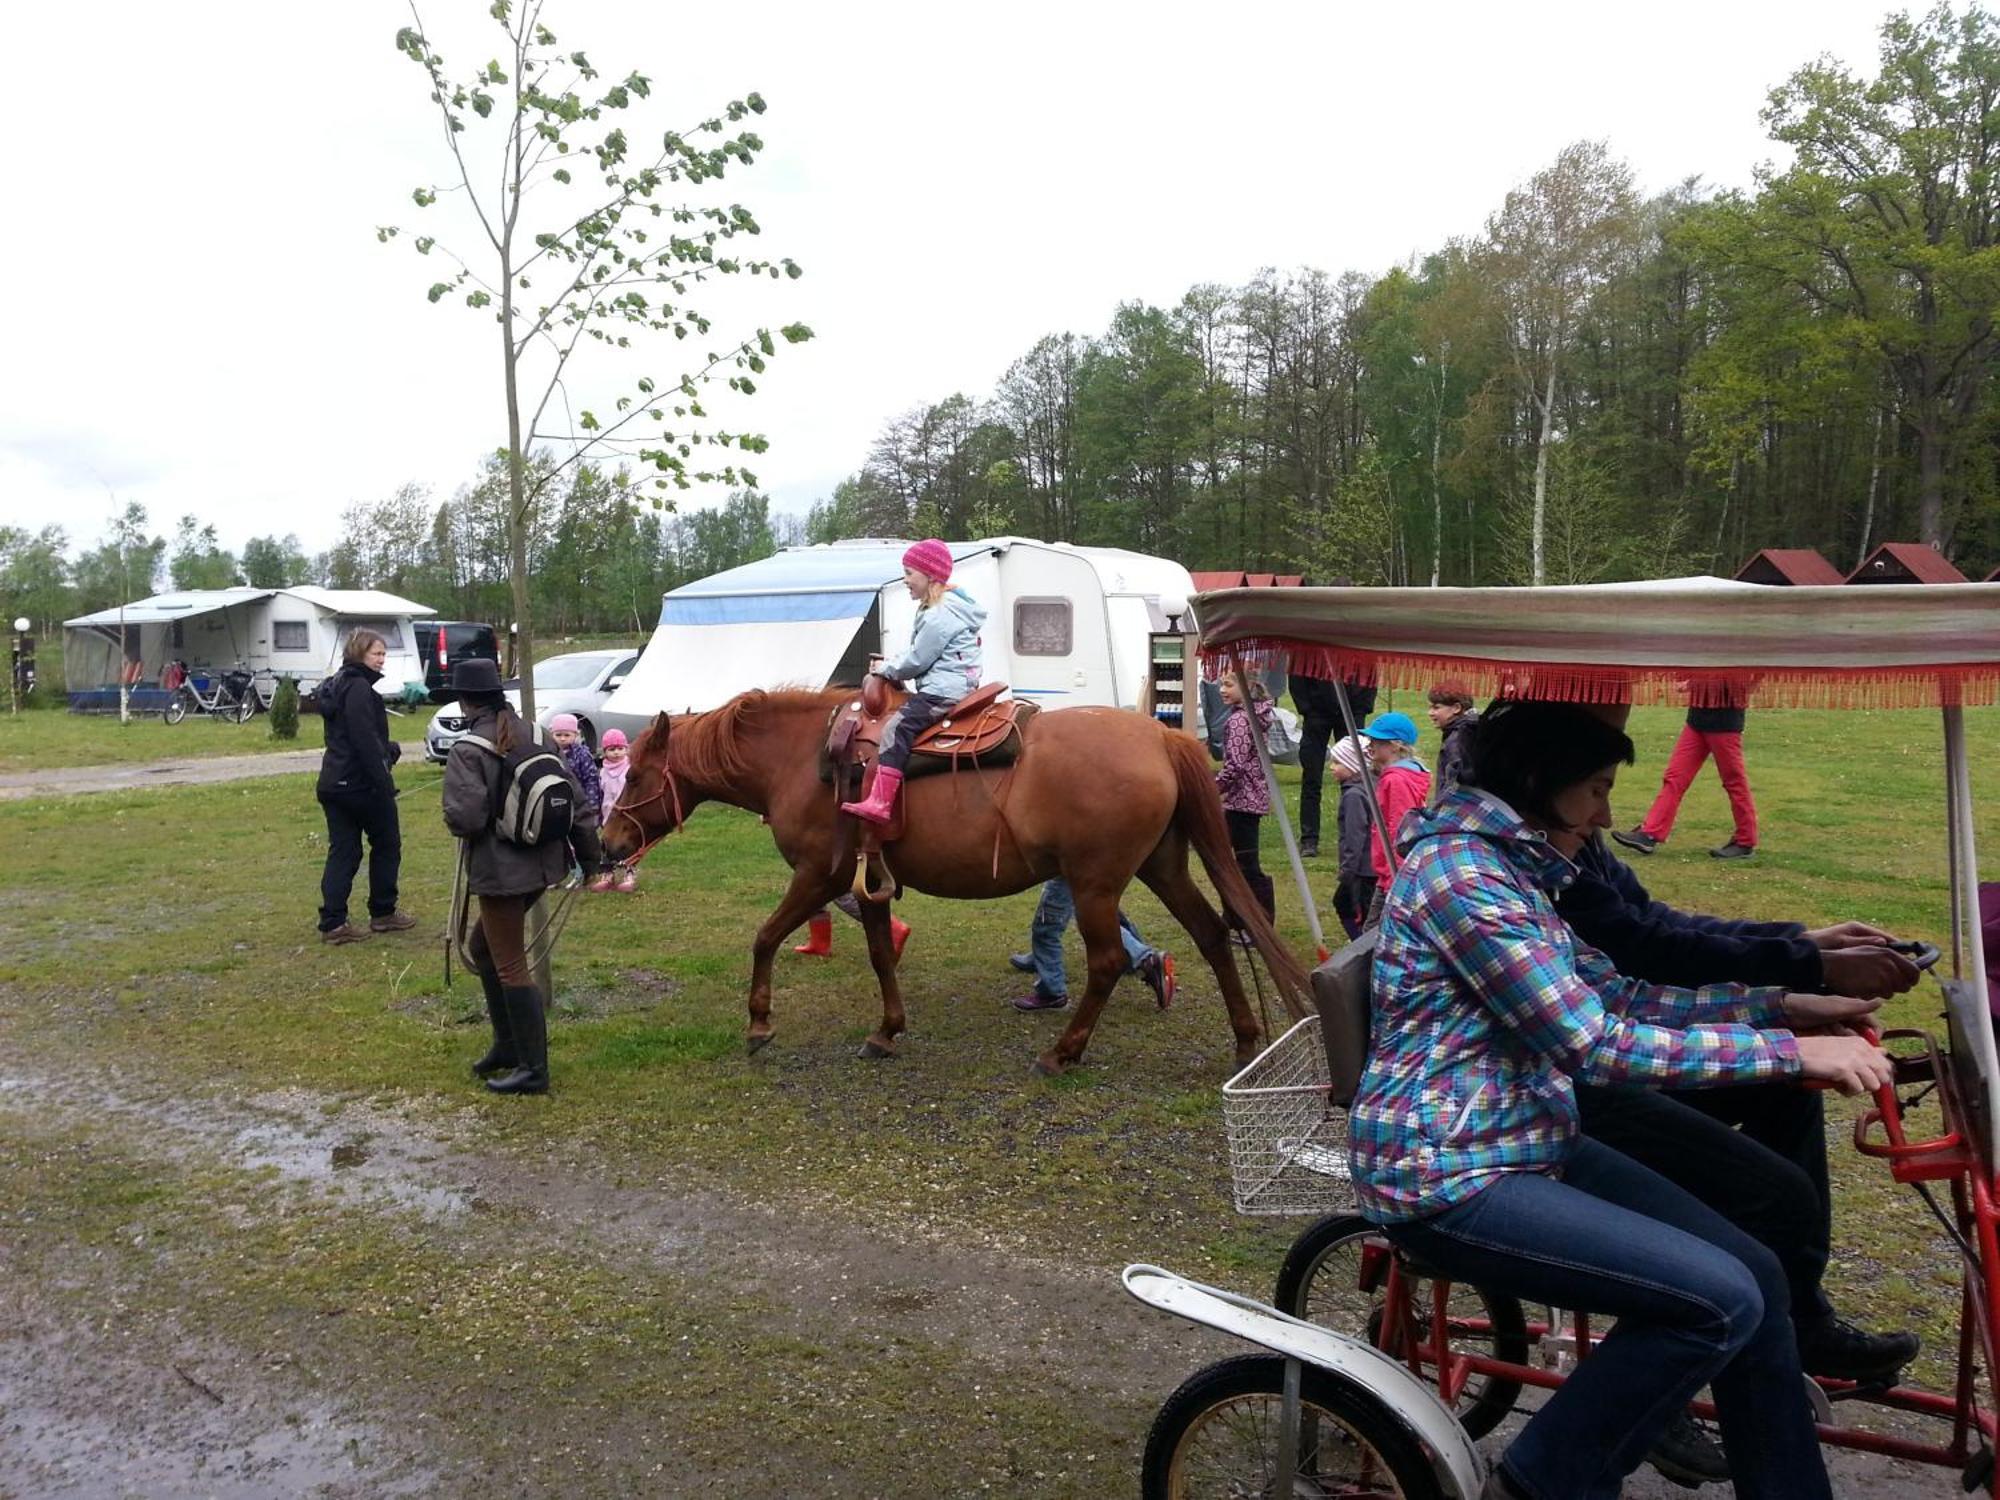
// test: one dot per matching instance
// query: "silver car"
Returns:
(574, 684)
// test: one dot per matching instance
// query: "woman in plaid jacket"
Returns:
(1465, 1142)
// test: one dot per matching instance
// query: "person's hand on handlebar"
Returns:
(1868, 969)
(1848, 1063)
(1826, 1012)
(1848, 935)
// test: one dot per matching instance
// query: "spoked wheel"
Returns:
(1334, 1275)
(241, 710)
(177, 707)
(1217, 1439)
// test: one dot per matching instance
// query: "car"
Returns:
(577, 683)
(443, 642)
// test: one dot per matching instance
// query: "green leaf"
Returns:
(424, 197)
(588, 421)
(482, 103)
(561, 174)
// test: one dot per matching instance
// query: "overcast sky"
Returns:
(202, 319)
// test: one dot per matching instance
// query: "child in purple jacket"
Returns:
(1246, 796)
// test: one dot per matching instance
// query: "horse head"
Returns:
(650, 807)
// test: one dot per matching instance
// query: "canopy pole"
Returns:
(1367, 777)
(1969, 955)
(1956, 812)
(1278, 804)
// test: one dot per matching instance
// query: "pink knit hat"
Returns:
(931, 557)
(614, 739)
(564, 724)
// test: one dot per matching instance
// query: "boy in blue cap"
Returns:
(1402, 785)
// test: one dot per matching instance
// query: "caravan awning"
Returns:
(164, 608)
(837, 581)
(1686, 640)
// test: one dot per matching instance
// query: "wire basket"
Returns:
(1287, 1144)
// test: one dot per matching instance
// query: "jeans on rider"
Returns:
(1697, 1302)
(1053, 914)
(1768, 1178)
(918, 713)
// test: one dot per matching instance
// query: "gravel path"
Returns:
(71, 781)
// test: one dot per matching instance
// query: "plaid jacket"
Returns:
(1486, 1007)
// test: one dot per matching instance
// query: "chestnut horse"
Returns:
(1097, 796)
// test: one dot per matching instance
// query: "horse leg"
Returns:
(806, 894)
(1166, 875)
(1097, 921)
(875, 922)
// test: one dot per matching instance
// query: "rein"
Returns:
(668, 788)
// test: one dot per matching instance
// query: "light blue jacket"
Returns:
(944, 659)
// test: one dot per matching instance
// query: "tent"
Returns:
(1065, 625)
(296, 632)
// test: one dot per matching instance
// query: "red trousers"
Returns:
(1690, 751)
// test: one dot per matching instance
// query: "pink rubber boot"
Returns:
(880, 803)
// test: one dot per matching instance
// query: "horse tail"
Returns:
(1198, 815)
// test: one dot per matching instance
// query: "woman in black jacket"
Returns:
(358, 791)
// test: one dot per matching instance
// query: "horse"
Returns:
(1096, 795)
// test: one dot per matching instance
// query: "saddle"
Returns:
(979, 730)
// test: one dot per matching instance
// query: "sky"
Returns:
(202, 319)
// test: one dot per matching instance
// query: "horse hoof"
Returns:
(875, 1051)
(758, 1042)
(1050, 1066)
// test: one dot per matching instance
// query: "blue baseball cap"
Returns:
(1398, 727)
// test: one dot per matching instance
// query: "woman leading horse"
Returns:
(1097, 796)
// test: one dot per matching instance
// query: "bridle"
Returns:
(668, 788)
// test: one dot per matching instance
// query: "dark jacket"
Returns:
(1355, 860)
(359, 751)
(494, 867)
(1716, 720)
(1646, 939)
(1454, 755)
(1316, 700)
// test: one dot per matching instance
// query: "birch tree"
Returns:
(568, 236)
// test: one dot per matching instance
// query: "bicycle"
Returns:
(231, 696)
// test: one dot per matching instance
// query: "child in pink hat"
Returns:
(611, 777)
(942, 665)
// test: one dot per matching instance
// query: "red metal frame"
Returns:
(1952, 1156)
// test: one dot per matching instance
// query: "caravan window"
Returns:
(1041, 627)
(290, 635)
(391, 632)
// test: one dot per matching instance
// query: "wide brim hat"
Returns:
(475, 675)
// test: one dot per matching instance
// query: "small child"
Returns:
(611, 776)
(1246, 796)
(1356, 890)
(563, 729)
(1402, 784)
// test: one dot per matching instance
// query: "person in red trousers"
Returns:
(1709, 731)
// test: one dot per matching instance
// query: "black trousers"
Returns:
(1769, 1179)
(920, 711)
(347, 820)
(1244, 831)
(1314, 736)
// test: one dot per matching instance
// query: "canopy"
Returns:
(162, 608)
(1702, 641)
(833, 581)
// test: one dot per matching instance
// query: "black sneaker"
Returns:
(1637, 840)
(1731, 850)
(1688, 1455)
(1835, 1348)
(1308, 848)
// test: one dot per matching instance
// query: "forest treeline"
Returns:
(1594, 384)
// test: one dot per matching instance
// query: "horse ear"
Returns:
(656, 732)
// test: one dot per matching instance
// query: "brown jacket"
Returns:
(495, 867)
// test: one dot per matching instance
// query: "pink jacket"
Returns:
(1400, 790)
(611, 778)
(1241, 779)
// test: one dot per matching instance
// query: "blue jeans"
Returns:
(1698, 1302)
(1053, 914)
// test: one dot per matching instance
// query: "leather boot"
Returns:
(531, 1044)
(880, 803)
(499, 1057)
(819, 937)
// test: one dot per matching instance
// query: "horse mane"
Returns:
(711, 748)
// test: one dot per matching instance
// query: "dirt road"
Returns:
(70, 781)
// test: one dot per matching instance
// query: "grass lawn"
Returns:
(49, 738)
(130, 945)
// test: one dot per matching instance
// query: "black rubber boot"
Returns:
(499, 1057)
(1267, 895)
(531, 1044)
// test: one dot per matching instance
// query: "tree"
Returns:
(34, 575)
(1551, 246)
(1890, 217)
(621, 263)
(271, 562)
(123, 567)
(199, 560)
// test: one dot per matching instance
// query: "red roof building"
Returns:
(1994, 576)
(1204, 582)
(1906, 562)
(1789, 565)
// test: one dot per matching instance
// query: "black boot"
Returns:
(499, 1057)
(1267, 895)
(531, 1044)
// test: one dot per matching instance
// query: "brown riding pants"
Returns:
(499, 939)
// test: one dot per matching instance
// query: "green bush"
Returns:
(285, 710)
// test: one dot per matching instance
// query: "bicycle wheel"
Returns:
(239, 712)
(1333, 1276)
(1217, 1436)
(177, 707)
